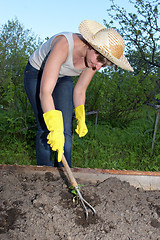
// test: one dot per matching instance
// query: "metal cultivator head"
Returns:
(85, 204)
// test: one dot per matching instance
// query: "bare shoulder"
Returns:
(60, 40)
(59, 48)
(78, 39)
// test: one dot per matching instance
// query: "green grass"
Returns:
(17, 152)
(118, 148)
(106, 147)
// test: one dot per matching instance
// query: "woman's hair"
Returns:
(100, 57)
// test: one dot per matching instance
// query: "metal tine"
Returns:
(85, 202)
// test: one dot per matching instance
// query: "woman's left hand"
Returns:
(81, 129)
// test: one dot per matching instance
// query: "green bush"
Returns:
(119, 96)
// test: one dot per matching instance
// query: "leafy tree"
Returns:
(16, 44)
(142, 31)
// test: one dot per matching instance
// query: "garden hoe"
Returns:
(85, 204)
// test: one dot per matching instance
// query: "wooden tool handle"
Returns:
(69, 172)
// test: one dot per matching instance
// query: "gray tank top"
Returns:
(39, 57)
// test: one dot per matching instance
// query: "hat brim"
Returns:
(88, 29)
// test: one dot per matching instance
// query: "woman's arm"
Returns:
(51, 71)
(53, 118)
(79, 94)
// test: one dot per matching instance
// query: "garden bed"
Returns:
(37, 205)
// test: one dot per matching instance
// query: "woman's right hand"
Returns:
(54, 123)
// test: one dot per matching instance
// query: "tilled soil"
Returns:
(40, 206)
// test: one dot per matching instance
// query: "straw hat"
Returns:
(106, 41)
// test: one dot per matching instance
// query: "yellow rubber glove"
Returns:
(81, 129)
(54, 122)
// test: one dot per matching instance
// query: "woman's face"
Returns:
(92, 61)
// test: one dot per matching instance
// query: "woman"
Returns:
(49, 87)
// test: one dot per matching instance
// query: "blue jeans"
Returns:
(63, 100)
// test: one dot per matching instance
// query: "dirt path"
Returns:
(40, 207)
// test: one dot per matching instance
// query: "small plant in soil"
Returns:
(74, 192)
